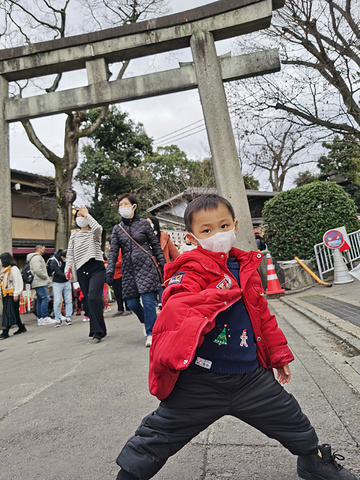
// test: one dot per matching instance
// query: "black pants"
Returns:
(91, 277)
(117, 286)
(11, 315)
(199, 399)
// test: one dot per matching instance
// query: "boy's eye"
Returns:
(207, 230)
(224, 226)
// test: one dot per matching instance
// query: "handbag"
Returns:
(153, 258)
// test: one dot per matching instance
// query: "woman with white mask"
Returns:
(85, 264)
(140, 280)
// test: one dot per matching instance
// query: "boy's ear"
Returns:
(236, 224)
(192, 240)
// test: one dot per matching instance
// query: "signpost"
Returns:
(337, 239)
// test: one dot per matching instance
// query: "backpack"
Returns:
(49, 267)
(26, 273)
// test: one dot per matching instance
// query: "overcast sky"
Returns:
(161, 116)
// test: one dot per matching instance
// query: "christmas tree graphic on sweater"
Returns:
(221, 338)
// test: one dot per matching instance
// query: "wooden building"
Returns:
(33, 213)
(171, 211)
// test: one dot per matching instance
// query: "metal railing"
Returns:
(324, 255)
(176, 236)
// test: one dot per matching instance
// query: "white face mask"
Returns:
(126, 212)
(220, 242)
(81, 222)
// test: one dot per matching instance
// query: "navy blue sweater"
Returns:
(229, 347)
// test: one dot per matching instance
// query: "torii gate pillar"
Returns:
(229, 180)
(6, 223)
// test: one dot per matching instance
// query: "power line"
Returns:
(184, 131)
(181, 136)
(175, 131)
(185, 136)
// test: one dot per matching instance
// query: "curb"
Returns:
(345, 331)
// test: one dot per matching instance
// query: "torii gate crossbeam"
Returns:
(198, 29)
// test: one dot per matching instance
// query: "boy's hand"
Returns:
(283, 374)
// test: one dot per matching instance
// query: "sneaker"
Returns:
(48, 321)
(86, 319)
(118, 313)
(68, 321)
(144, 329)
(127, 312)
(4, 335)
(40, 321)
(322, 466)
(58, 323)
(107, 309)
(148, 341)
(63, 318)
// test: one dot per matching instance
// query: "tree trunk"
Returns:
(65, 195)
(64, 168)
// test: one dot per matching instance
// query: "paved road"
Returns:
(67, 405)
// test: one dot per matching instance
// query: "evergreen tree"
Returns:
(117, 148)
(304, 178)
(344, 160)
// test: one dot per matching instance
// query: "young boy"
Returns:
(214, 346)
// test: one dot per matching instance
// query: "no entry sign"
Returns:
(337, 238)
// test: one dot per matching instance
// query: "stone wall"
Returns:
(292, 276)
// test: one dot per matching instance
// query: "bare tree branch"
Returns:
(34, 139)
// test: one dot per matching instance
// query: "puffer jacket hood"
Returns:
(199, 287)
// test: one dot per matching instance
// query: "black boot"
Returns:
(21, 329)
(4, 334)
(322, 466)
(123, 475)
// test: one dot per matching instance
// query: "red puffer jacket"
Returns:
(200, 286)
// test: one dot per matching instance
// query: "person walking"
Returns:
(85, 264)
(140, 279)
(11, 284)
(62, 289)
(41, 284)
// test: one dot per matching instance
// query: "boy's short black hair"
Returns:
(205, 202)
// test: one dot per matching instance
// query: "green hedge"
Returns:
(297, 219)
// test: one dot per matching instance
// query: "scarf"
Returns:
(7, 281)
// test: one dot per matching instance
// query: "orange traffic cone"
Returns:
(22, 305)
(273, 284)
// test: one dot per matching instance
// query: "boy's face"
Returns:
(206, 223)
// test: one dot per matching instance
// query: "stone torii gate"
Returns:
(198, 29)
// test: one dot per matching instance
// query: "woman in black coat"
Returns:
(140, 277)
